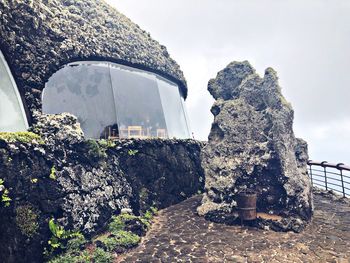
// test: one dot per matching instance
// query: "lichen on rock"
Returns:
(252, 146)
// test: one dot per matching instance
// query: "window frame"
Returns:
(157, 77)
(15, 87)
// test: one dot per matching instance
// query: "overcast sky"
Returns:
(306, 42)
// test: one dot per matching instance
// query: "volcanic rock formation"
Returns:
(252, 146)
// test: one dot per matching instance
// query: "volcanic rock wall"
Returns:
(252, 146)
(83, 183)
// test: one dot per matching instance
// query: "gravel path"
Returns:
(179, 235)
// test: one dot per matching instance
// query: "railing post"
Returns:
(342, 182)
(341, 176)
(312, 183)
(325, 177)
(325, 174)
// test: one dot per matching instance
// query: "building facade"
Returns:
(87, 59)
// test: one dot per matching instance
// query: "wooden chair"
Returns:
(161, 133)
(135, 132)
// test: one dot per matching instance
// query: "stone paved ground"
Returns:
(179, 235)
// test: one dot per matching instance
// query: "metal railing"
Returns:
(330, 176)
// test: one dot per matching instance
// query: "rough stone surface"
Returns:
(162, 172)
(83, 183)
(59, 127)
(39, 37)
(252, 146)
(180, 235)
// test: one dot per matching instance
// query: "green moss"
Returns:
(126, 239)
(27, 220)
(24, 137)
(76, 244)
(83, 257)
(101, 256)
(117, 237)
(106, 143)
(146, 222)
(121, 238)
(66, 258)
(94, 150)
(154, 210)
(118, 222)
(148, 215)
(5, 199)
(74, 253)
(133, 152)
(53, 173)
(110, 243)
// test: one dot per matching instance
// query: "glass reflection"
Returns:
(85, 91)
(173, 110)
(139, 109)
(12, 115)
(115, 101)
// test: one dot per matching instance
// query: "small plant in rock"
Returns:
(150, 213)
(53, 173)
(148, 216)
(106, 143)
(95, 151)
(154, 210)
(27, 220)
(121, 238)
(124, 232)
(59, 235)
(75, 252)
(118, 222)
(83, 257)
(34, 180)
(76, 244)
(133, 152)
(5, 199)
(101, 256)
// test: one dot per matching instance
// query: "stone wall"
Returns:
(83, 183)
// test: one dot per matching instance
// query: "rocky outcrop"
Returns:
(82, 183)
(39, 37)
(252, 146)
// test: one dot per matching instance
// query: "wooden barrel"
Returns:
(246, 204)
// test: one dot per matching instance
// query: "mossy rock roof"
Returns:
(38, 37)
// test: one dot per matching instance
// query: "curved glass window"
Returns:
(116, 101)
(12, 114)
